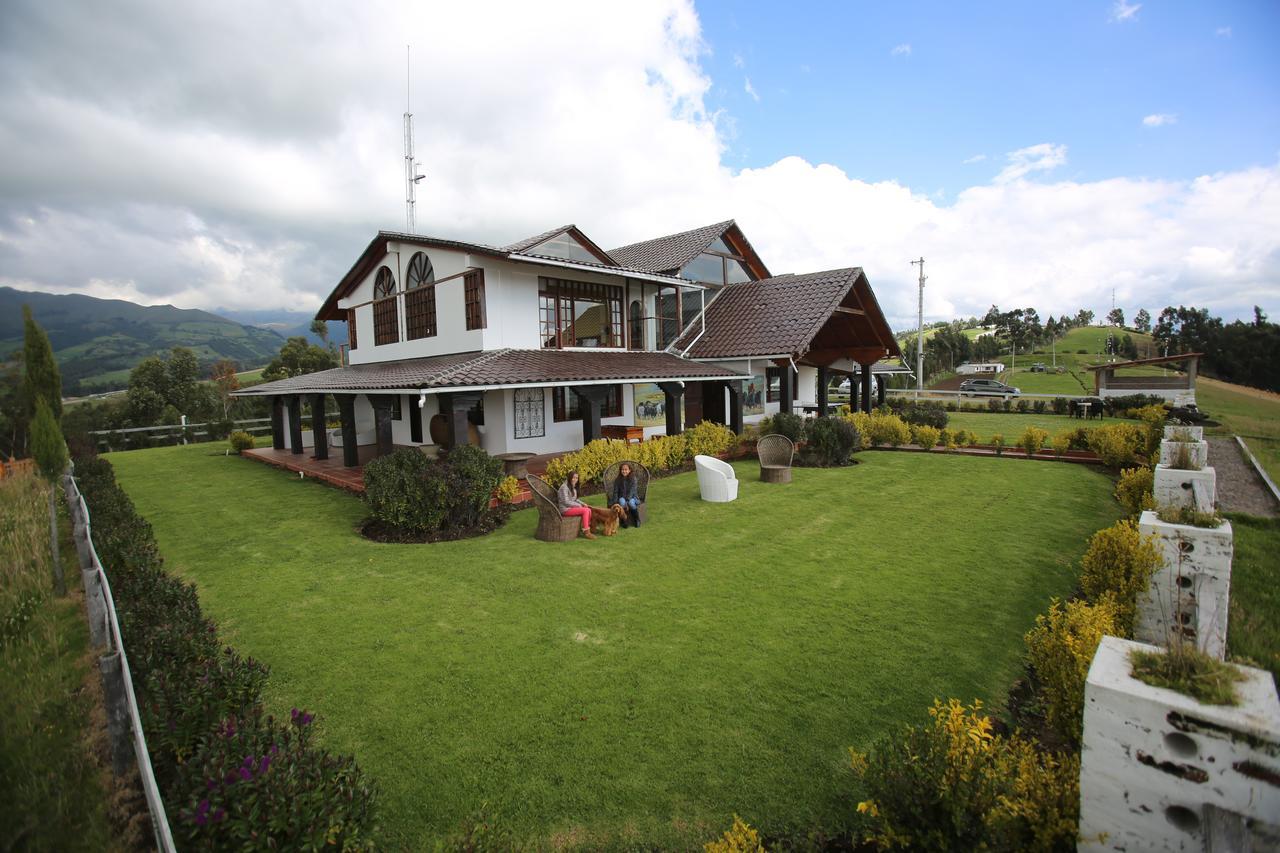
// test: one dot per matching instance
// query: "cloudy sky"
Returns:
(242, 154)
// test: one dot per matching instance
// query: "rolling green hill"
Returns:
(98, 341)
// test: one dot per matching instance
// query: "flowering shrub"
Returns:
(925, 436)
(1117, 445)
(710, 439)
(1060, 649)
(953, 784)
(1033, 438)
(241, 441)
(739, 838)
(1136, 490)
(507, 490)
(1117, 566)
(190, 685)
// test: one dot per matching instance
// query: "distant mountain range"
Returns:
(98, 341)
(287, 323)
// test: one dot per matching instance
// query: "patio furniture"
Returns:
(642, 485)
(622, 432)
(552, 526)
(515, 464)
(775, 452)
(716, 479)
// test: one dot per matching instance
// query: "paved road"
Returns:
(1240, 489)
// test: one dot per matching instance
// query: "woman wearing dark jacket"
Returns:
(626, 494)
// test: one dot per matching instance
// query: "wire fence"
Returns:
(124, 724)
(131, 438)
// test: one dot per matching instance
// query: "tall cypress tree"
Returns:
(42, 378)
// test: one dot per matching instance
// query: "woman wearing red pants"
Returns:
(567, 499)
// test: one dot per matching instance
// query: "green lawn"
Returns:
(1011, 426)
(1253, 631)
(1253, 417)
(640, 689)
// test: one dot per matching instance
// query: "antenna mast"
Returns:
(411, 174)
(920, 331)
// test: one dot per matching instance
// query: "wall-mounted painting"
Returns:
(753, 395)
(651, 405)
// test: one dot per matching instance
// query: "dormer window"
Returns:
(420, 298)
(386, 317)
(718, 264)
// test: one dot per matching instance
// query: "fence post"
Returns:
(117, 707)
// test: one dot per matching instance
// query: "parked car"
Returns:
(1038, 367)
(987, 388)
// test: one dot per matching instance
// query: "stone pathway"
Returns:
(1239, 487)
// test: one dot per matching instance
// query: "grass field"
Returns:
(641, 689)
(1013, 425)
(1254, 624)
(1255, 416)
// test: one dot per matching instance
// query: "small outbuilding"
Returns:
(1175, 384)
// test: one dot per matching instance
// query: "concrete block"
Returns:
(1176, 433)
(1158, 769)
(1197, 452)
(1175, 487)
(1188, 596)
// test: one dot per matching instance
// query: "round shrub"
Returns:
(395, 486)
(1118, 565)
(997, 441)
(1135, 490)
(925, 436)
(1033, 438)
(711, 439)
(786, 423)
(241, 441)
(886, 429)
(507, 490)
(831, 441)
(1060, 649)
(1117, 445)
(1060, 405)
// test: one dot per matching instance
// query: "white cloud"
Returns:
(749, 89)
(901, 50)
(738, 61)
(257, 185)
(1223, 32)
(1159, 119)
(1122, 11)
(1034, 158)
(976, 158)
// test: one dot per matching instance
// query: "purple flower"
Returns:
(246, 774)
(301, 718)
(219, 815)
(211, 784)
(202, 813)
(264, 764)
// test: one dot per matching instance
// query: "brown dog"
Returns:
(605, 522)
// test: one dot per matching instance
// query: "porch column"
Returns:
(277, 422)
(295, 423)
(786, 384)
(674, 393)
(823, 379)
(866, 388)
(319, 437)
(347, 415)
(590, 398)
(382, 421)
(735, 405)
(456, 409)
(879, 391)
(853, 393)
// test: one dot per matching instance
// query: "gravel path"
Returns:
(1240, 489)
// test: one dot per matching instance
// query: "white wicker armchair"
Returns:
(716, 479)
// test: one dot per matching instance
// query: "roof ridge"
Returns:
(721, 225)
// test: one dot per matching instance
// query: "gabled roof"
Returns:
(815, 315)
(671, 253)
(495, 368)
(528, 244)
(1164, 359)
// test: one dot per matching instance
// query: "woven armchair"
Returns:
(552, 526)
(776, 453)
(641, 474)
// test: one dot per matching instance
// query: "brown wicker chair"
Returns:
(775, 452)
(642, 485)
(552, 526)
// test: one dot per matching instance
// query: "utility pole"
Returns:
(920, 332)
(411, 175)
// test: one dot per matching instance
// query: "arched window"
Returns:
(420, 298)
(637, 325)
(386, 317)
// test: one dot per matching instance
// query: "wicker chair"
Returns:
(776, 453)
(552, 526)
(642, 484)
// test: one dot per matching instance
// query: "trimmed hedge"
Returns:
(192, 689)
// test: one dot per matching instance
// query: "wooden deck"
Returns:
(334, 473)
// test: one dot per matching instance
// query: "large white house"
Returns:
(546, 343)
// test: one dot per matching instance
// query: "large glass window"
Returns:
(580, 314)
(564, 404)
(708, 268)
(718, 264)
(566, 247)
(420, 298)
(668, 312)
(386, 317)
(690, 306)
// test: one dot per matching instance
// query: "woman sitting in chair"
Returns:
(567, 500)
(626, 494)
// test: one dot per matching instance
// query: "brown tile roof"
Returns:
(669, 254)
(496, 367)
(784, 315)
